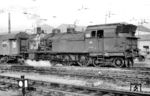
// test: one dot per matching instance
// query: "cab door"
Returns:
(91, 41)
(100, 37)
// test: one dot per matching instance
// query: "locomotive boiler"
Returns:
(99, 45)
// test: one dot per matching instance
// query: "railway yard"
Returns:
(83, 56)
(97, 61)
(75, 81)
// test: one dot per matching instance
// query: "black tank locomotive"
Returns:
(99, 45)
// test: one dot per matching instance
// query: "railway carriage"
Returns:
(11, 46)
(99, 45)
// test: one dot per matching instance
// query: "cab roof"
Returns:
(104, 26)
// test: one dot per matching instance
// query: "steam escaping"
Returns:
(38, 63)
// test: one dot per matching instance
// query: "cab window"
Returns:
(93, 34)
(100, 33)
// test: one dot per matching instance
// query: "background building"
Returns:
(143, 33)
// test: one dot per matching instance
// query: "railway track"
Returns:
(124, 76)
(130, 75)
(50, 88)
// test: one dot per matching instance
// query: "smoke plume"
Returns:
(38, 63)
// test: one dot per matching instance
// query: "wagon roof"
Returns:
(14, 36)
(68, 36)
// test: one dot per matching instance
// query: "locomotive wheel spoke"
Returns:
(118, 62)
(66, 60)
(4, 60)
(1, 60)
(96, 63)
(67, 63)
(83, 61)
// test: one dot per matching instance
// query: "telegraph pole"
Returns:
(108, 15)
(9, 23)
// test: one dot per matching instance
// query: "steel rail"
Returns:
(73, 89)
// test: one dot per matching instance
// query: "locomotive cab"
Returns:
(114, 43)
(92, 39)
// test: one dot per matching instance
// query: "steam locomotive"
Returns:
(99, 45)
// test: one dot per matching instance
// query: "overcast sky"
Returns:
(81, 12)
